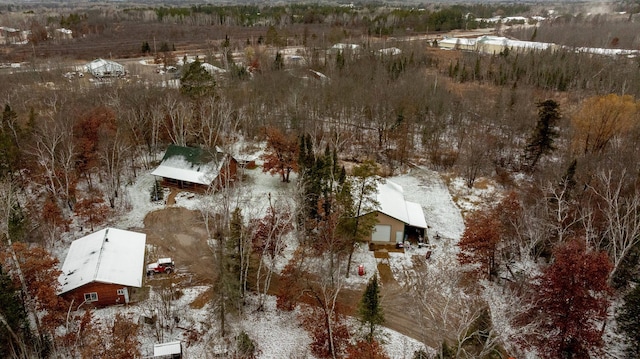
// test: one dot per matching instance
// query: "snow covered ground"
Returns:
(277, 334)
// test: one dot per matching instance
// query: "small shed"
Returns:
(195, 168)
(169, 350)
(100, 268)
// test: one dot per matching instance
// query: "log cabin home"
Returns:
(196, 169)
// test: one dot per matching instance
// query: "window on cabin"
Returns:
(120, 291)
(90, 297)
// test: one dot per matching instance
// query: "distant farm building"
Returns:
(492, 44)
(497, 44)
(9, 35)
(104, 68)
(196, 169)
(100, 268)
(398, 219)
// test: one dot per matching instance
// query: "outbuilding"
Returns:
(169, 350)
(398, 220)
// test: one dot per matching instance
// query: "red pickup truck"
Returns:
(163, 265)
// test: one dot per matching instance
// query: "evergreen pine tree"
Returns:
(156, 191)
(544, 135)
(196, 81)
(9, 134)
(14, 325)
(369, 310)
(278, 63)
(629, 322)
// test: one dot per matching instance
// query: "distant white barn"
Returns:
(104, 68)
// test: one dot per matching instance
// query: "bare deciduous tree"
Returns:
(621, 213)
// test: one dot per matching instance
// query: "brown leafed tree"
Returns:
(53, 218)
(281, 155)
(600, 119)
(119, 341)
(479, 242)
(125, 343)
(93, 129)
(364, 349)
(329, 332)
(35, 271)
(570, 301)
(290, 288)
(92, 209)
(80, 336)
(40, 270)
(510, 214)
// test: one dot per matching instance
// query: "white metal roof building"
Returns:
(104, 68)
(112, 256)
(392, 203)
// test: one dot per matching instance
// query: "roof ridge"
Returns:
(104, 239)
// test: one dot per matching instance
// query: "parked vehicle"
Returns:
(163, 265)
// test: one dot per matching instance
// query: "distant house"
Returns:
(390, 51)
(104, 68)
(342, 47)
(398, 219)
(63, 34)
(455, 43)
(9, 35)
(100, 268)
(196, 169)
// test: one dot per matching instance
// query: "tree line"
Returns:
(559, 136)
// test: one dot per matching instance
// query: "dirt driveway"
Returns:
(179, 233)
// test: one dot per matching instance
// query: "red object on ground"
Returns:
(361, 269)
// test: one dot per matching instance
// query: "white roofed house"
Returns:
(196, 169)
(397, 219)
(104, 68)
(100, 268)
(456, 43)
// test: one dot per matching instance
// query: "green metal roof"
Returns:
(194, 155)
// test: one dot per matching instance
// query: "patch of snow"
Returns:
(471, 199)
(138, 197)
(427, 188)
(277, 334)
(399, 346)
(361, 256)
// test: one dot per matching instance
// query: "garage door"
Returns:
(381, 233)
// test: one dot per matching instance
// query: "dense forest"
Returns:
(557, 131)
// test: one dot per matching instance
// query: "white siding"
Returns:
(381, 233)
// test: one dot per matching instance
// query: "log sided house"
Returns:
(196, 169)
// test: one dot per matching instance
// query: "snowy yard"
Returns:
(277, 334)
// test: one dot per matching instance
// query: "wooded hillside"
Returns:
(557, 131)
